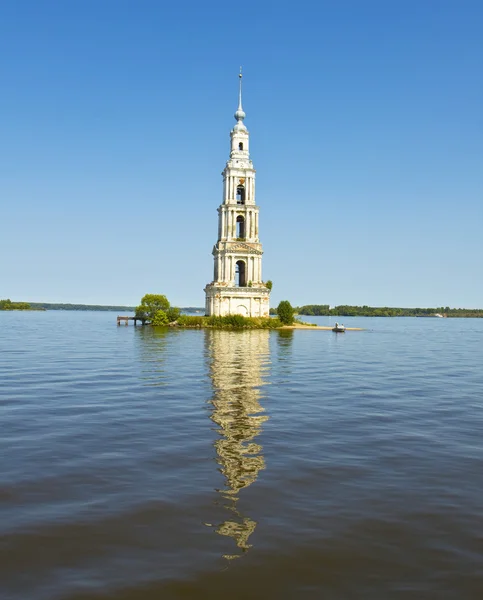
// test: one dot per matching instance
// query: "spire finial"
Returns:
(240, 114)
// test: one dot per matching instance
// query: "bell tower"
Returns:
(237, 286)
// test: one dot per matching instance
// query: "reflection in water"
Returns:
(152, 344)
(284, 340)
(238, 361)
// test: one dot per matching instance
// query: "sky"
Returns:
(366, 131)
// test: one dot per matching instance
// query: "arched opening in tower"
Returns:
(240, 227)
(240, 194)
(240, 146)
(240, 274)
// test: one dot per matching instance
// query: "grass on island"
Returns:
(229, 322)
(234, 322)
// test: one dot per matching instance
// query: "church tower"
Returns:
(237, 286)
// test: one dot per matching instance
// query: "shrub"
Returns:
(229, 322)
(241, 322)
(274, 323)
(285, 312)
(237, 321)
(159, 318)
(269, 284)
(173, 313)
(191, 321)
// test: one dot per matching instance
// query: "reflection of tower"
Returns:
(237, 286)
(238, 360)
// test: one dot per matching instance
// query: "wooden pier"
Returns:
(127, 319)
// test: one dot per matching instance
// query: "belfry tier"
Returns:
(238, 214)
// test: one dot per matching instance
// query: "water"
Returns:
(142, 464)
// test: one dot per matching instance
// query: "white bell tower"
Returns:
(237, 286)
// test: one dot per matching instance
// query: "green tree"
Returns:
(9, 305)
(160, 318)
(150, 304)
(285, 312)
(5, 304)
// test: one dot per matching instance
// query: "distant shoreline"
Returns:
(312, 310)
(71, 306)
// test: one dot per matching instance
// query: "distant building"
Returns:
(237, 286)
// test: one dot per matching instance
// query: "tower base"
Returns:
(246, 301)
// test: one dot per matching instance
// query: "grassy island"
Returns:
(240, 322)
(156, 310)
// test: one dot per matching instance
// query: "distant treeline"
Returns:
(345, 310)
(61, 306)
(9, 305)
(50, 306)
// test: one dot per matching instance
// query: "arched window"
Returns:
(240, 274)
(240, 146)
(240, 194)
(240, 227)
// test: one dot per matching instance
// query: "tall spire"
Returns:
(240, 77)
(240, 114)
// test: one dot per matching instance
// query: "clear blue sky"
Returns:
(366, 132)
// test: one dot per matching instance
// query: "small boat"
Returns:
(338, 328)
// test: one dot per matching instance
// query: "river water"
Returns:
(142, 464)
